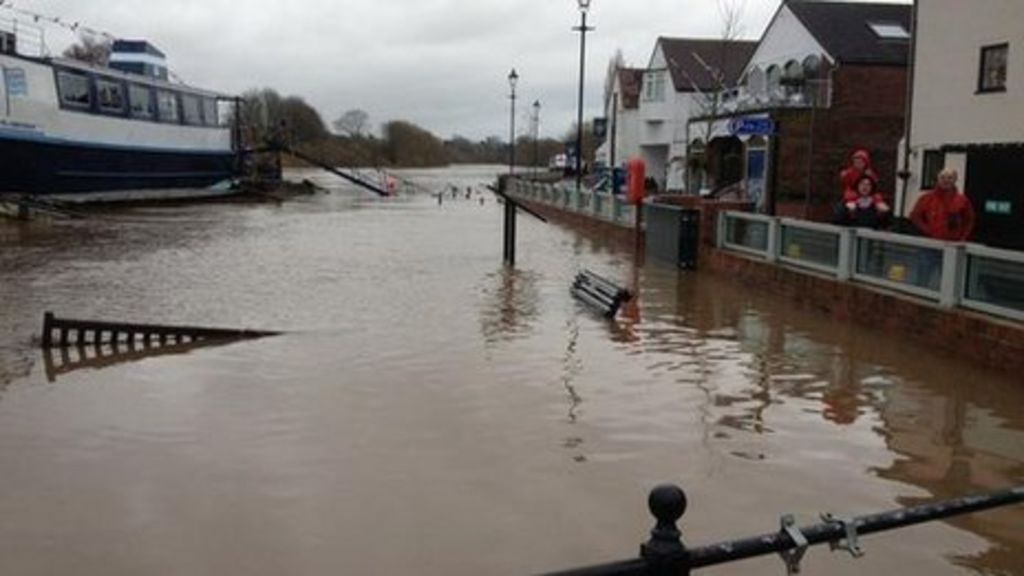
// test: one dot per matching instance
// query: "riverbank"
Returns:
(991, 341)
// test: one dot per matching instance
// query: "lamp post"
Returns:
(584, 6)
(536, 133)
(510, 209)
(513, 78)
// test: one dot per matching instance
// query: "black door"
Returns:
(996, 188)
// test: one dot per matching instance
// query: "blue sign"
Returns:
(751, 126)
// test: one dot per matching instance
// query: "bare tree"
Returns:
(707, 102)
(352, 123)
(90, 50)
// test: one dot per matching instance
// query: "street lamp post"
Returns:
(536, 134)
(510, 209)
(513, 79)
(584, 6)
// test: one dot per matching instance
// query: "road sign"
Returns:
(751, 126)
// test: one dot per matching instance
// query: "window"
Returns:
(934, 161)
(210, 112)
(654, 86)
(15, 81)
(74, 90)
(167, 106)
(110, 96)
(141, 100)
(889, 30)
(993, 68)
(190, 110)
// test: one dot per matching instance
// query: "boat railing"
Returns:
(20, 37)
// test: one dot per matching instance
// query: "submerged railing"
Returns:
(950, 274)
(666, 554)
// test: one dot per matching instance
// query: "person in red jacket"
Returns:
(944, 213)
(859, 166)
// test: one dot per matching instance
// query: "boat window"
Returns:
(110, 96)
(167, 105)
(210, 112)
(74, 89)
(190, 110)
(141, 100)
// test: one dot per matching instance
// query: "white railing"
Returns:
(994, 281)
(950, 274)
(598, 205)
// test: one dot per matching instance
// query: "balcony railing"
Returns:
(947, 273)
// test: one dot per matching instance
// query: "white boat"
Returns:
(74, 131)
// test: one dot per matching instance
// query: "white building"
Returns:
(968, 110)
(680, 76)
(622, 113)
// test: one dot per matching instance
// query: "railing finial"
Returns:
(667, 503)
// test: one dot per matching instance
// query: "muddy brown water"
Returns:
(431, 412)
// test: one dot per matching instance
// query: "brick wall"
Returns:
(867, 112)
(975, 337)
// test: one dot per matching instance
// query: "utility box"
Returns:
(673, 234)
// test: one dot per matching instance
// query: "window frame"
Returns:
(984, 54)
(197, 100)
(207, 105)
(930, 171)
(153, 115)
(107, 111)
(177, 107)
(90, 90)
(891, 31)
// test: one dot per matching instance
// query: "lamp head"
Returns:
(513, 78)
(584, 5)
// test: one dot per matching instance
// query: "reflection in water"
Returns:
(60, 361)
(511, 303)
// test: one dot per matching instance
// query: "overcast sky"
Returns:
(442, 64)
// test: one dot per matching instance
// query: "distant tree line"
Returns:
(266, 114)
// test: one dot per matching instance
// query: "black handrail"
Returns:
(666, 554)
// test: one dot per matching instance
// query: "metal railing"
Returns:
(595, 204)
(665, 553)
(950, 274)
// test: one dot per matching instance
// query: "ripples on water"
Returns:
(434, 412)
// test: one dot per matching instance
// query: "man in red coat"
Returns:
(944, 213)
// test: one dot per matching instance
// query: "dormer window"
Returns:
(889, 30)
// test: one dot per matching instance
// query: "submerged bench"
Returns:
(599, 293)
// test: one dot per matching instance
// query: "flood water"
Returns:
(432, 412)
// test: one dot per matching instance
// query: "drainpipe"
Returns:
(909, 114)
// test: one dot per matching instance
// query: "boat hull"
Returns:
(42, 167)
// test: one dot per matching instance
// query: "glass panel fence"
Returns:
(995, 282)
(819, 247)
(908, 264)
(752, 234)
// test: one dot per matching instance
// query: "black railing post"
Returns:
(665, 552)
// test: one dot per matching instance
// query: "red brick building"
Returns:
(827, 78)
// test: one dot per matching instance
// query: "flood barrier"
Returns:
(599, 293)
(64, 332)
(666, 554)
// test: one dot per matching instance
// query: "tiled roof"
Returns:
(843, 29)
(691, 63)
